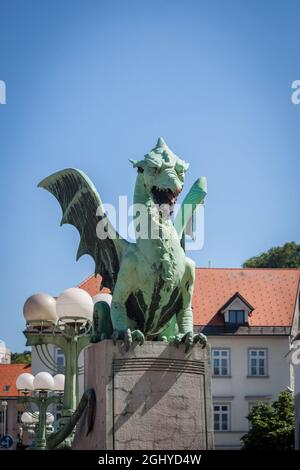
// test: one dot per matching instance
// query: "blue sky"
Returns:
(93, 83)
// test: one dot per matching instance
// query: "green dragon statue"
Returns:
(151, 280)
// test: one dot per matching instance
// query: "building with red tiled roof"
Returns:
(10, 409)
(272, 293)
(250, 317)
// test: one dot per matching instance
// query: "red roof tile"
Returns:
(92, 285)
(8, 376)
(272, 293)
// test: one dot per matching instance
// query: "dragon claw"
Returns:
(201, 339)
(164, 339)
(189, 339)
(124, 335)
(115, 336)
(138, 336)
(177, 340)
(128, 336)
(127, 339)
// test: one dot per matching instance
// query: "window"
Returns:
(257, 362)
(221, 362)
(236, 316)
(60, 359)
(6, 388)
(221, 417)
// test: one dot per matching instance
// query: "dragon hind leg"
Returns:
(103, 328)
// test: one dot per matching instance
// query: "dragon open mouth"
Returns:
(164, 196)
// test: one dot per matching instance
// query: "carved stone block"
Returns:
(153, 397)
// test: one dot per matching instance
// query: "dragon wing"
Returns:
(82, 207)
(195, 196)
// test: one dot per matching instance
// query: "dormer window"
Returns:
(236, 316)
(236, 310)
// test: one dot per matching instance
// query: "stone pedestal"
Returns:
(153, 397)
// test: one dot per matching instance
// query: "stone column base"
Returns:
(153, 397)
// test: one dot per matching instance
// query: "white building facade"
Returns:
(246, 370)
(294, 359)
(251, 316)
(297, 405)
(5, 353)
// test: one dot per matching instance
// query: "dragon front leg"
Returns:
(120, 327)
(119, 316)
(185, 316)
(188, 337)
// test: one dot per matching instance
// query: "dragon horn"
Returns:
(137, 163)
(161, 142)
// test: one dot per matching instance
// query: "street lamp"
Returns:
(41, 390)
(31, 418)
(30, 422)
(4, 406)
(65, 322)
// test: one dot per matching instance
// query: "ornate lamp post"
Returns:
(4, 426)
(65, 322)
(30, 421)
(41, 390)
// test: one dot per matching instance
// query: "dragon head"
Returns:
(163, 173)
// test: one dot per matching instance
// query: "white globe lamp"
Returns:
(27, 418)
(75, 304)
(59, 382)
(25, 382)
(43, 381)
(49, 418)
(35, 416)
(40, 307)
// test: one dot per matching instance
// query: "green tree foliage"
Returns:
(272, 426)
(286, 256)
(21, 358)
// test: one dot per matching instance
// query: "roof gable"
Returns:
(235, 296)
